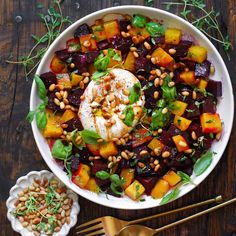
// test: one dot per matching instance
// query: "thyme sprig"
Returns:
(207, 23)
(53, 21)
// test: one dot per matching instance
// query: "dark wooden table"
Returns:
(19, 154)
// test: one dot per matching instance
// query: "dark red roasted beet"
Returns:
(180, 161)
(142, 50)
(103, 45)
(192, 111)
(63, 55)
(138, 149)
(51, 104)
(80, 61)
(144, 171)
(181, 48)
(73, 124)
(191, 65)
(99, 165)
(181, 97)
(123, 25)
(121, 43)
(74, 163)
(83, 155)
(194, 126)
(82, 30)
(91, 56)
(74, 97)
(173, 130)
(203, 69)
(209, 106)
(110, 192)
(148, 183)
(158, 40)
(214, 87)
(165, 137)
(142, 63)
(48, 78)
(207, 142)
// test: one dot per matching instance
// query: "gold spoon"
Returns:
(140, 230)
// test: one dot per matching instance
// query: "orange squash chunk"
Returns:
(112, 28)
(108, 149)
(129, 62)
(210, 123)
(67, 115)
(180, 143)
(173, 36)
(156, 144)
(81, 176)
(88, 43)
(99, 32)
(92, 186)
(202, 84)
(160, 189)
(135, 190)
(75, 79)
(58, 66)
(162, 57)
(188, 77)
(128, 175)
(64, 81)
(172, 178)
(197, 53)
(179, 107)
(181, 122)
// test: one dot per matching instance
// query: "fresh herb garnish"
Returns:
(61, 151)
(139, 21)
(168, 93)
(206, 21)
(97, 76)
(53, 21)
(170, 196)
(185, 178)
(129, 115)
(116, 181)
(202, 163)
(39, 113)
(159, 119)
(155, 29)
(135, 93)
(89, 137)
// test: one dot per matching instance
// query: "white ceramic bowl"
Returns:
(25, 181)
(225, 107)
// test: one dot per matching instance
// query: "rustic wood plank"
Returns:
(19, 152)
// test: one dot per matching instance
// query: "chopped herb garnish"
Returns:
(129, 115)
(135, 93)
(202, 163)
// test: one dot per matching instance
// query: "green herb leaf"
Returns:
(74, 135)
(116, 57)
(114, 190)
(185, 178)
(155, 29)
(159, 119)
(30, 116)
(139, 21)
(41, 87)
(98, 75)
(101, 62)
(115, 179)
(168, 93)
(61, 151)
(89, 137)
(171, 196)
(103, 175)
(203, 163)
(41, 119)
(129, 115)
(135, 93)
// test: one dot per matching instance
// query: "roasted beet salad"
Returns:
(129, 107)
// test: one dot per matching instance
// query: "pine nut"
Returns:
(171, 84)
(81, 84)
(148, 57)
(194, 95)
(72, 65)
(143, 153)
(52, 87)
(85, 74)
(62, 105)
(128, 27)
(133, 49)
(218, 136)
(86, 80)
(100, 140)
(165, 154)
(121, 116)
(189, 151)
(172, 51)
(156, 95)
(159, 131)
(163, 75)
(157, 151)
(58, 95)
(124, 155)
(164, 110)
(126, 92)
(182, 144)
(156, 162)
(135, 54)
(141, 164)
(193, 135)
(147, 45)
(156, 82)
(153, 60)
(123, 34)
(158, 72)
(86, 43)
(185, 93)
(157, 167)
(212, 70)
(135, 39)
(82, 97)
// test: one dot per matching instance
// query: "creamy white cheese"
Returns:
(90, 112)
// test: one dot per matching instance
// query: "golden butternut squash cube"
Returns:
(53, 128)
(81, 176)
(197, 53)
(108, 149)
(172, 178)
(181, 122)
(67, 115)
(75, 79)
(129, 62)
(92, 186)
(128, 175)
(178, 107)
(160, 189)
(173, 36)
(156, 144)
(135, 190)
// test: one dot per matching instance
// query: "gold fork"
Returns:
(141, 230)
(110, 226)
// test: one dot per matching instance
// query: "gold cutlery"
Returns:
(140, 230)
(110, 226)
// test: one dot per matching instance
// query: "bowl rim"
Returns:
(140, 205)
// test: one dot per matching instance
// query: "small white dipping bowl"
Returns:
(225, 107)
(24, 182)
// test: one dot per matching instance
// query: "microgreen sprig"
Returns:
(206, 23)
(53, 22)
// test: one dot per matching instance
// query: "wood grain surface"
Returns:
(19, 154)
